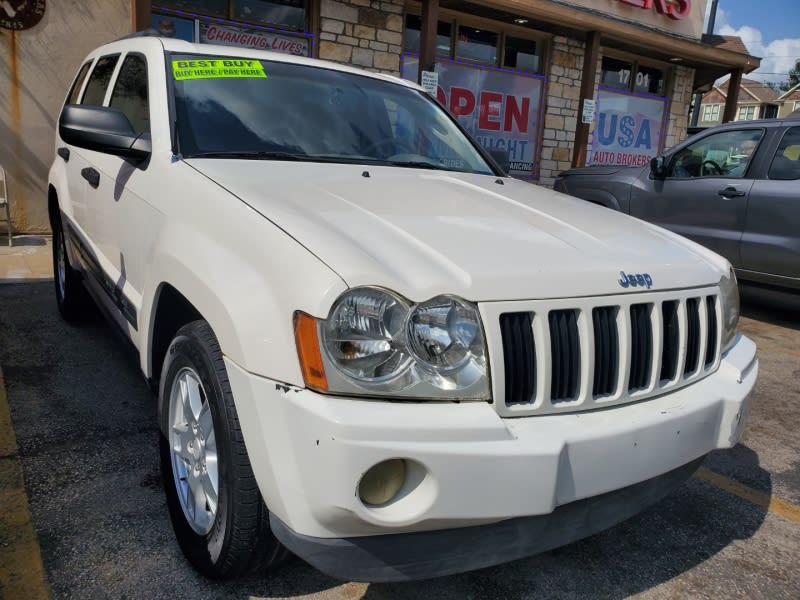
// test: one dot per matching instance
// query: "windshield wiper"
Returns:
(252, 155)
(417, 164)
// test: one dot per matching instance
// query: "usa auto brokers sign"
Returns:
(21, 14)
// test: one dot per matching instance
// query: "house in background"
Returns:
(789, 101)
(756, 101)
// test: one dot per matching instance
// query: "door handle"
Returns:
(63, 153)
(730, 192)
(91, 175)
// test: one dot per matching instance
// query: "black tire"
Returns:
(238, 539)
(71, 298)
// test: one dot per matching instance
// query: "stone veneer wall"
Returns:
(362, 33)
(683, 78)
(562, 97)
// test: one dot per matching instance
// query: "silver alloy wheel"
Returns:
(194, 450)
(61, 265)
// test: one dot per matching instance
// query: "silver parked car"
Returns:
(734, 188)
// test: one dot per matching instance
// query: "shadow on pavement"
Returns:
(770, 305)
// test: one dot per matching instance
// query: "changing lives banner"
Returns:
(228, 35)
(629, 128)
(500, 109)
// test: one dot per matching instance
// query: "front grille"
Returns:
(629, 346)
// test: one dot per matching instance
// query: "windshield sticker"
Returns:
(217, 69)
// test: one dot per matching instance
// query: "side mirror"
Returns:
(103, 130)
(658, 167)
(501, 158)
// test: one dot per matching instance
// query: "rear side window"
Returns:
(98, 80)
(76, 87)
(786, 162)
(130, 92)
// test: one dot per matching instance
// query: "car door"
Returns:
(705, 191)
(771, 242)
(74, 162)
(123, 220)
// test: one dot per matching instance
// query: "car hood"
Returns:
(422, 232)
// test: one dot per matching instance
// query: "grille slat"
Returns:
(671, 336)
(692, 335)
(565, 354)
(641, 346)
(711, 344)
(606, 350)
(520, 356)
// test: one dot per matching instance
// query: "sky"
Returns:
(769, 28)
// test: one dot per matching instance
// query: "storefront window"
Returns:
(629, 128)
(627, 75)
(649, 80)
(521, 54)
(215, 7)
(477, 45)
(289, 13)
(414, 27)
(617, 73)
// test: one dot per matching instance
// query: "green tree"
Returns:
(794, 77)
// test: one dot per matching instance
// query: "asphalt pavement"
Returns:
(86, 441)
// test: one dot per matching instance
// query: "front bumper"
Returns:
(471, 467)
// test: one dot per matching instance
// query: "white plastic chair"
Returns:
(4, 201)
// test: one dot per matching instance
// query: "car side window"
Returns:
(98, 80)
(130, 92)
(786, 162)
(724, 154)
(72, 98)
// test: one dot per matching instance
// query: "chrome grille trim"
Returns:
(582, 389)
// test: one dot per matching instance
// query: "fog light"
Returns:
(382, 482)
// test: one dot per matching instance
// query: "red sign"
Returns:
(674, 9)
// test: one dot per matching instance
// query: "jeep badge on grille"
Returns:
(635, 280)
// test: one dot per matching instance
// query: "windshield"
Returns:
(250, 108)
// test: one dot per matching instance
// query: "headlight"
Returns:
(375, 342)
(729, 298)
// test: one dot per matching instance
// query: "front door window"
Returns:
(724, 154)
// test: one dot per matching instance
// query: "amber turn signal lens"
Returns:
(305, 334)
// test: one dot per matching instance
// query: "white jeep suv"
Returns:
(371, 347)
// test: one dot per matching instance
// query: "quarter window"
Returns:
(130, 92)
(76, 87)
(724, 154)
(98, 81)
(786, 162)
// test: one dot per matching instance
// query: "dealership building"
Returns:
(553, 83)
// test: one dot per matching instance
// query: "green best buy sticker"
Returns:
(219, 68)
